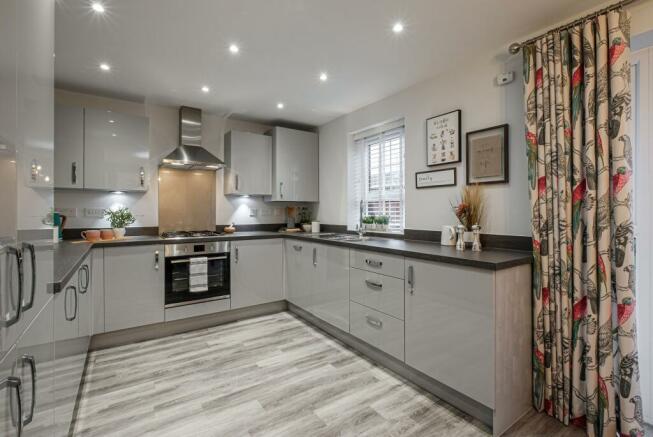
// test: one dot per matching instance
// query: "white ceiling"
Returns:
(163, 51)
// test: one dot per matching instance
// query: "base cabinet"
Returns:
(32, 362)
(317, 280)
(449, 308)
(256, 272)
(133, 286)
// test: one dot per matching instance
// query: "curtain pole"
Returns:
(515, 47)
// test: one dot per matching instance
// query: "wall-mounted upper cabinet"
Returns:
(294, 165)
(69, 146)
(248, 157)
(116, 151)
(98, 149)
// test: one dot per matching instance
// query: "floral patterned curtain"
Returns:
(577, 111)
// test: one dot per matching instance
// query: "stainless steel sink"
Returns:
(342, 237)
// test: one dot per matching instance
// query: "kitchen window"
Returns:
(376, 175)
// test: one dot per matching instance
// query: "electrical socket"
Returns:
(94, 212)
(266, 212)
(68, 212)
(253, 212)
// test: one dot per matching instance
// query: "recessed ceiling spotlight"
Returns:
(112, 121)
(105, 67)
(233, 48)
(113, 135)
(398, 27)
(280, 105)
(205, 89)
(98, 7)
(324, 77)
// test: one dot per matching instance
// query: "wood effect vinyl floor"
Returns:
(267, 376)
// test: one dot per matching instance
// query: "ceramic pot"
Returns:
(106, 234)
(91, 235)
(119, 233)
(468, 237)
(306, 227)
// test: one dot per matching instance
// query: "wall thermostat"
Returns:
(505, 78)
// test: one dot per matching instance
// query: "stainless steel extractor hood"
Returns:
(190, 155)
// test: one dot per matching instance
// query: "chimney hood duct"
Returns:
(190, 155)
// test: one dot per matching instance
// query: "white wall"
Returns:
(470, 88)
(163, 139)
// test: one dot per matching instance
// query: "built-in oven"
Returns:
(196, 272)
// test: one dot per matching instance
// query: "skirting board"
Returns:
(164, 329)
(447, 394)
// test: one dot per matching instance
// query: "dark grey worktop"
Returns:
(69, 255)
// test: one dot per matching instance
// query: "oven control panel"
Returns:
(198, 248)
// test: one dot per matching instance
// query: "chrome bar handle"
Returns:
(372, 321)
(315, 256)
(237, 183)
(156, 260)
(236, 255)
(32, 256)
(374, 284)
(65, 303)
(73, 173)
(13, 318)
(141, 173)
(187, 260)
(411, 279)
(83, 285)
(374, 262)
(14, 383)
(281, 190)
(29, 359)
(297, 247)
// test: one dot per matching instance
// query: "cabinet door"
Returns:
(331, 285)
(256, 272)
(299, 270)
(249, 160)
(134, 286)
(449, 326)
(294, 165)
(97, 290)
(69, 143)
(116, 151)
(32, 362)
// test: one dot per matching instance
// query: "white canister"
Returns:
(315, 227)
(448, 236)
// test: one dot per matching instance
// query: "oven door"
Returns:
(177, 270)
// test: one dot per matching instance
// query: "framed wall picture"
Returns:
(435, 178)
(487, 155)
(443, 139)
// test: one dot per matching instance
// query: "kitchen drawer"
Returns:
(197, 309)
(389, 265)
(380, 330)
(382, 293)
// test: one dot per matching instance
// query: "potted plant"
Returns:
(368, 222)
(382, 222)
(119, 219)
(304, 216)
(469, 209)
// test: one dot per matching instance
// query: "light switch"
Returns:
(68, 212)
(253, 212)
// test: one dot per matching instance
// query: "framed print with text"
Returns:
(443, 139)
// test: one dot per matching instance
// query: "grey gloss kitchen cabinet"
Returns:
(256, 272)
(317, 280)
(69, 143)
(133, 286)
(116, 151)
(294, 165)
(31, 362)
(248, 159)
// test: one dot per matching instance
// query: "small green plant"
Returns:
(382, 220)
(119, 218)
(305, 215)
(368, 220)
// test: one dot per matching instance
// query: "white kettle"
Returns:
(448, 235)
